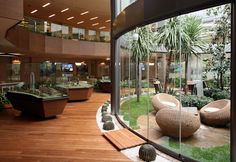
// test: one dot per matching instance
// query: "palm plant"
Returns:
(169, 36)
(193, 29)
(141, 50)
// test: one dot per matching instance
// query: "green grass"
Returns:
(211, 154)
(136, 109)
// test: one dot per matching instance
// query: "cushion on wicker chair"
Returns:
(163, 100)
(213, 117)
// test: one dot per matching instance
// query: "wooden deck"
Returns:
(123, 139)
(73, 136)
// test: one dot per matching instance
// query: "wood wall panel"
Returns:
(12, 9)
(70, 46)
(40, 45)
(53, 45)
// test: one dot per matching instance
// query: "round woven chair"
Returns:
(168, 121)
(216, 113)
(163, 100)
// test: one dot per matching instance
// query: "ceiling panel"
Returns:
(96, 8)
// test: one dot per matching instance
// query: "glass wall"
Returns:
(175, 83)
(63, 31)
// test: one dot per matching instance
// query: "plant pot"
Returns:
(7, 106)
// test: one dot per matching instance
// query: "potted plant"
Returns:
(4, 102)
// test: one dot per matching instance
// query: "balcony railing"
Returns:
(64, 31)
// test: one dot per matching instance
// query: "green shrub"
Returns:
(221, 95)
(217, 94)
(195, 101)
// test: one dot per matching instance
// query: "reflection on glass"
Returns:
(175, 83)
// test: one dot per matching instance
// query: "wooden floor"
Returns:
(73, 136)
(123, 139)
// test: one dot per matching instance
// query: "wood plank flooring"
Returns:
(73, 136)
(123, 139)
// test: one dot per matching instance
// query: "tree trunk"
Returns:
(221, 81)
(186, 74)
(137, 85)
(167, 72)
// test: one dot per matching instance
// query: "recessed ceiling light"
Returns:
(83, 13)
(52, 15)
(33, 11)
(95, 24)
(66, 9)
(93, 18)
(47, 4)
(108, 20)
(80, 22)
(69, 18)
(103, 27)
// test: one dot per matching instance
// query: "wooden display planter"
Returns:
(105, 86)
(76, 94)
(42, 107)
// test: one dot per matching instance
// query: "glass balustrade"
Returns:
(64, 31)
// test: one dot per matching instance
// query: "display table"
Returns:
(40, 106)
(105, 86)
(9, 85)
(78, 92)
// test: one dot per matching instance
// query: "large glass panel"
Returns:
(75, 33)
(175, 83)
(56, 30)
(91, 35)
(65, 31)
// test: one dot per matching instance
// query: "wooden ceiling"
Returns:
(96, 8)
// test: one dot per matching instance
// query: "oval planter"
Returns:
(42, 107)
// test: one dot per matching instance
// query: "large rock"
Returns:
(168, 120)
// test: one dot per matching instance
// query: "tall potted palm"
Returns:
(141, 50)
(193, 29)
(169, 36)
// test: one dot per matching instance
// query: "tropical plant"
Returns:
(141, 50)
(193, 29)
(219, 63)
(169, 36)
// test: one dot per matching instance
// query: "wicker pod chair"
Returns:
(216, 113)
(168, 121)
(163, 100)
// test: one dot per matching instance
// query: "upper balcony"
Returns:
(34, 36)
